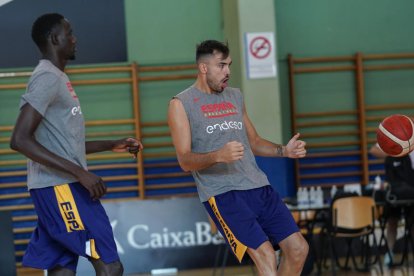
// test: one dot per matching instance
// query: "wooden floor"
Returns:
(405, 270)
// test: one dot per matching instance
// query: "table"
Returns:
(311, 222)
(310, 207)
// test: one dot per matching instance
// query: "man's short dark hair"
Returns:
(43, 26)
(208, 47)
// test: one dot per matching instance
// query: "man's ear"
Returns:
(202, 67)
(54, 38)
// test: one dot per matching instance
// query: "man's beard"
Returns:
(71, 55)
(216, 88)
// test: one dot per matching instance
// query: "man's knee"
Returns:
(264, 258)
(302, 249)
(60, 271)
(111, 269)
(297, 249)
(115, 268)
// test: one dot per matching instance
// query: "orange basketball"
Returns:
(395, 135)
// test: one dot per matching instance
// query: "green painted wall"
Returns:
(166, 32)
(336, 28)
(160, 31)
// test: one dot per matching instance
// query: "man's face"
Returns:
(218, 71)
(67, 41)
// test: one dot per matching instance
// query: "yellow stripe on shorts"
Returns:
(236, 246)
(68, 208)
(93, 253)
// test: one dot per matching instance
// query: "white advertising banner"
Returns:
(160, 234)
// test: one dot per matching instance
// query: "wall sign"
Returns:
(260, 55)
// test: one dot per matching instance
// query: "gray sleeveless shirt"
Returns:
(216, 119)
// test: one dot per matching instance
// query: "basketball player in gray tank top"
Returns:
(50, 131)
(216, 141)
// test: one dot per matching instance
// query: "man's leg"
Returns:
(103, 269)
(295, 250)
(392, 226)
(264, 257)
(60, 271)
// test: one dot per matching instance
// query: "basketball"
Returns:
(395, 135)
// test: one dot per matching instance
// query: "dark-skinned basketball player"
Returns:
(50, 131)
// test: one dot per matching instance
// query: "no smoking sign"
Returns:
(260, 47)
(260, 55)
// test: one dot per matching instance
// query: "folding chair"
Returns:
(353, 218)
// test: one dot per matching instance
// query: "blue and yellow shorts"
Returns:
(248, 218)
(70, 224)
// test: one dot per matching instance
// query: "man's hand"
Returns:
(130, 145)
(93, 183)
(230, 152)
(295, 148)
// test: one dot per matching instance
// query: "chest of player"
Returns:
(214, 123)
(65, 111)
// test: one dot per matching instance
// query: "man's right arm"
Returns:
(181, 136)
(23, 141)
(377, 152)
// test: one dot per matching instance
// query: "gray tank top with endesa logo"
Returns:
(216, 119)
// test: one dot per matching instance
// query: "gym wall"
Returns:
(340, 28)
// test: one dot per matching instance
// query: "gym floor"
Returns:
(247, 270)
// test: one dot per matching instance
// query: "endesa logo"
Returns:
(217, 110)
(224, 126)
(76, 110)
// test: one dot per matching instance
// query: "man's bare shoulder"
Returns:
(175, 102)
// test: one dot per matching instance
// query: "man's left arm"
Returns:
(130, 145)
(262, 147)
